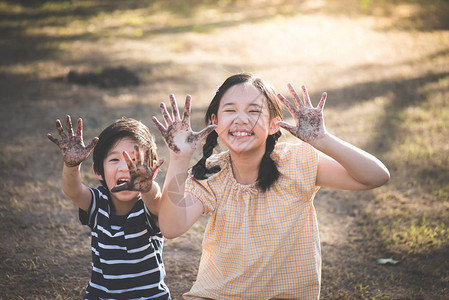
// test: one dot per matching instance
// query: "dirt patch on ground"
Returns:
(382, 65)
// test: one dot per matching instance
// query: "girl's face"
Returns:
(116, 172)
(243, 119)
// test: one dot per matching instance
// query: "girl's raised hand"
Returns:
(71, 145)
(309, 120)
(178, 134)
(141, 174)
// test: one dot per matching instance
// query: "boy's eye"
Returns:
(229, 110)
(255, 111)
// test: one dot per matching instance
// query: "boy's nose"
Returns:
(123, 166)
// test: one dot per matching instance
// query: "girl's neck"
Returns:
(245, 166)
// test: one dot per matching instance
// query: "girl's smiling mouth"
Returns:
(241, 133)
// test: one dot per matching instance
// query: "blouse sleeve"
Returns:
(298, 163)
(202, 190)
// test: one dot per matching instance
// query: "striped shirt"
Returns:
(260, 245)
(126, 252)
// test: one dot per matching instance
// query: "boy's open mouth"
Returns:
(122, 181)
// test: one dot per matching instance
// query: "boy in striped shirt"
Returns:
(122, 212)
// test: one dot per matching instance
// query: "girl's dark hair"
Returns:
(121, 128)
(268, 172)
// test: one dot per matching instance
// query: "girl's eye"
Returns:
(114, 159)
(229, 110)
(255, 111)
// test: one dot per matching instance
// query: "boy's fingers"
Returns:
(128, 160)
(59, 128)
(137, 155)
(79, 128)
(119, 188)
(158, 164)
(92, 144)
(51, 138)
(146, 157)
(68, 125)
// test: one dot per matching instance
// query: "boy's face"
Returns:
(116, 170)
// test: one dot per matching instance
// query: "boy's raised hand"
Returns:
(71, 145)
(141, 174)
(178, 134)
(309, 120)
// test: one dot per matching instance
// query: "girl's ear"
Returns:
(99, 177)
(213, 119)
(273, 126)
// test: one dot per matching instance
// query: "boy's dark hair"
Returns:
(268, 172)
(121, 128)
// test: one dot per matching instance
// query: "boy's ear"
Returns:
(273, 126)
(99, 177)
(155, 173)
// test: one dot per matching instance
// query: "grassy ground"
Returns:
(384, 64)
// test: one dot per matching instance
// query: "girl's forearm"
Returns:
(178, 211)
(360, 165)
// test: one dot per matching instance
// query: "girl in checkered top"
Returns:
(261, 240)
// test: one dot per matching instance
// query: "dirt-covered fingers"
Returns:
(322, 101)
(146, 156)
(292, 90)
(166, 115)
(68, 125)
(205, 132)
(174, 107)
(291, 109)
(92, 144)
(305, 95)
(79, 128)
(128, 160)
(187, 105)
(159, 126)
(137, 155)
(157, 165)
(290, 128)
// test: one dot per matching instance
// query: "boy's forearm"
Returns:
(74, 188)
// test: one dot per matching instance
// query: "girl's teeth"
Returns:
(240, 133)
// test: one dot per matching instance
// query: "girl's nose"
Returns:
(241, 118)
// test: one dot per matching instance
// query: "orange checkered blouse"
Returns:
(260, 245)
